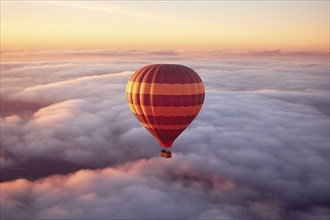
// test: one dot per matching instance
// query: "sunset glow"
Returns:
(238, 25)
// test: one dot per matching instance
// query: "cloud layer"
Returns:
(258, 150)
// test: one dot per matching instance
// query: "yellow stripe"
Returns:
(165, 88)
(154, 126)
(164, 111)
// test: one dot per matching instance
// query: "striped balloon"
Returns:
(165, 98)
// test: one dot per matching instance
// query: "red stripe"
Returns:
(168, 134)
(166, 100)
(166, 73)
(167, 144)
(161, 120)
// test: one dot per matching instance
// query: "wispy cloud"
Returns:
(110, 8)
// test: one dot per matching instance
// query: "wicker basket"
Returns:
(165, 154)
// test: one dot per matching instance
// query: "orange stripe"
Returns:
(154, 126)
(137, 108)
(164, 111)
(164, 88)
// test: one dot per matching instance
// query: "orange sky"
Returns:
(236, 25)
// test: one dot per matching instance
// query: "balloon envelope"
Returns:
(165, 98)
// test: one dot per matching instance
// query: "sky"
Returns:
(234, 25)
(72, 149)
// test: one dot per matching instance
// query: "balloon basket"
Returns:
(165, 154)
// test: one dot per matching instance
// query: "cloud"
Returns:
(187, 186)
(71, 130)
(75, 119)
(259, 149)
(74, 55)
(164, 52)
(269, 53)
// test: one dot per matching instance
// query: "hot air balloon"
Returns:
(165, 99)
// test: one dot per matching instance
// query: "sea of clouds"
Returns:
(71, 148)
